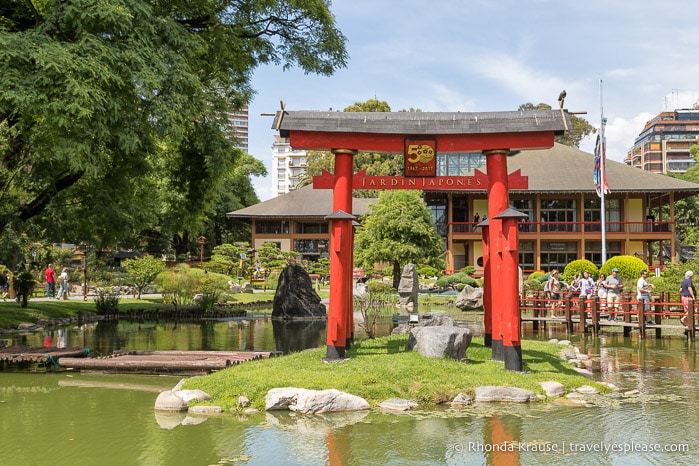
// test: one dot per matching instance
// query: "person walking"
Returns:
(601, 292)
(63, 284)
(614, 284)
(643, 291)
(587, 287)
(555, 287)
(50, 275)
(687, 292)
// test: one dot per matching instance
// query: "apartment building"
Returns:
(663, 145)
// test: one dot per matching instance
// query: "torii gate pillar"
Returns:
(340, 321)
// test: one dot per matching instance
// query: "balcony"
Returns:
(544, 228)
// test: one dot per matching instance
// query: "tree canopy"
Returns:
(399, 230)
(581, 128)
(113, 112)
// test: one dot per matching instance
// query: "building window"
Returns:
(593, 251)
(526, 206)
(437, 205)
(312, 247)
(526, 255)
(559, 214)
(272, 227)
(593, 215)
(459, 164)
(310, 228)
(557, 254)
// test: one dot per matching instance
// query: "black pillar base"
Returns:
(488, 340)
(498, 351)
(513, 358)
(349, 341)
(335, 353)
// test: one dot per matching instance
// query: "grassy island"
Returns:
(380, 369)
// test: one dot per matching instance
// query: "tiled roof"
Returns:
(303, 202)
(422, 122)
(564, 169)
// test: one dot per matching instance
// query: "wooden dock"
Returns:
(163, 362)
(38, 357)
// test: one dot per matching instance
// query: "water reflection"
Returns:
(657, 405)
(298, 335)
(241, 334)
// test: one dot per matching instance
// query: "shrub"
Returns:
(23, 284)
(427, 271)
(630, 267)
(455, 280)
(378, 287)
(578, 266)
(177, 284)
(107, 303)
(272, 280)
(536, 276)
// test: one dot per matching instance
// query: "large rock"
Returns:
(306, 401)
(504, 394)
(408, 287)
(169, 401)
(439, 341)
(295, 296)
(470, 298)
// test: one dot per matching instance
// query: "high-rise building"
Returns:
(663, 145)
(288, 165)
(239, 127)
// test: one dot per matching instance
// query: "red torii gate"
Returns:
(496, 134)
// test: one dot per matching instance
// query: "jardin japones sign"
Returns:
(420, 157)
(477, 181)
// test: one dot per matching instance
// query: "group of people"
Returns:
(607, 288)
(51, 280)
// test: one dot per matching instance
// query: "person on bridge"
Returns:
(687, 292)
(643, 291)
(614, 284)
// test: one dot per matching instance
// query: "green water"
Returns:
(90, 419)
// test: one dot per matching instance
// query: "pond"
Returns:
(69, 418)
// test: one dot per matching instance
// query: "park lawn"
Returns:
(381, 369)
(12, 314)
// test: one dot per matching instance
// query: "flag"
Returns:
(599, 178)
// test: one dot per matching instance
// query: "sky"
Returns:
(494, 55)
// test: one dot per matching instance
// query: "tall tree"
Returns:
(399, 230)
(112, 108)
(581, 128)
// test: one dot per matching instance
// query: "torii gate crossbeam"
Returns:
(496, 134)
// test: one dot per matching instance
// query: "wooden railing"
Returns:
(592, 313)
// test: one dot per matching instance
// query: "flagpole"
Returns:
(603, 176)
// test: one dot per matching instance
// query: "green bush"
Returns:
(107, 303)
(578, 266)
(455, 280)
(427, 271)
(177, 284)
(272, 280)
(537, 276)
(23, 285)
(378, 287)
(630, 267)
